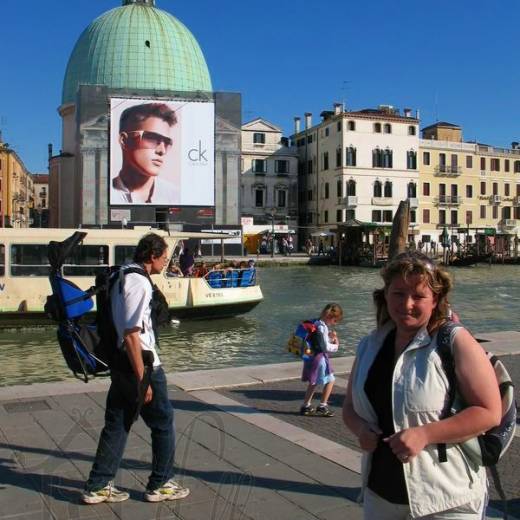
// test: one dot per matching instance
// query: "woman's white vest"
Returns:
(419, 396)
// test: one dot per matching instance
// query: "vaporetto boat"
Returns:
(24, 271)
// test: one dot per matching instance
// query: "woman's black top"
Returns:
(386, 477)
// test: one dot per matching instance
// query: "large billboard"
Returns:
(161, 152)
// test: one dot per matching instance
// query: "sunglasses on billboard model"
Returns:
(149, 139)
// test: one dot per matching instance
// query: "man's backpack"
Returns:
(306, 341)
(485, 449)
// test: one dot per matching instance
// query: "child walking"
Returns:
(317, 370)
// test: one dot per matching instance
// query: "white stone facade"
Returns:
(357, 165)
(269, 180)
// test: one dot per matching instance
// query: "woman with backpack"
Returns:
(397, 399)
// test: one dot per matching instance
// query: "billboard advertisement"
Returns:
(161, 152)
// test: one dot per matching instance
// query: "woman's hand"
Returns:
(406, 444)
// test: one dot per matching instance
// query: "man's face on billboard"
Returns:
(145, 147)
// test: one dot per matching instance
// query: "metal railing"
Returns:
(447, 170)
(448, 200)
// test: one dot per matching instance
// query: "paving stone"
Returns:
(350, 512)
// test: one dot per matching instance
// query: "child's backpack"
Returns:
(302, 343)
(485, 449)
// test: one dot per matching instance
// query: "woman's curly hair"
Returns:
(415, 263)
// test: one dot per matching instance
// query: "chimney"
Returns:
(338, 108)
(515, 145)
(407, 112)
(308, 120)
(417, 114)
(49, 151)
(297, 121)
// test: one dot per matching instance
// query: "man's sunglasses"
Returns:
(148, 139)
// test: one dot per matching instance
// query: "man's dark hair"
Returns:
(150, 245)
(134, 116)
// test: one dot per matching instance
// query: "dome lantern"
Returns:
(145, 2)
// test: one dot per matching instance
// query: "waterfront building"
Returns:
(137, 54)
(269, 176)
(40, 210)
(16, 189)
(356, 166)
(466, 187)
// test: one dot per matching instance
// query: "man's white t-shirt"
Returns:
(132, 308)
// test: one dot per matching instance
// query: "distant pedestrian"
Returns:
(317, 370)
(320, 248)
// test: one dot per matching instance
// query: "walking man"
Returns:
(131, 299)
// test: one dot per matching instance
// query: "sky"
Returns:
(454, 61)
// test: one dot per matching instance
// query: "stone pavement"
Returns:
(242, 450)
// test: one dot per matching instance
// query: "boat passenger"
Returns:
(186, 262)
(174, 270)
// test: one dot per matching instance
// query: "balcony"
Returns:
(516, 201)
(382, 201)
(444, 170)
(507, 224)
(447, 200)
(495, 199)
(350, 201)
(451, 225)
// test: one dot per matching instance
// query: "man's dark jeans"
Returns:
(158, 416)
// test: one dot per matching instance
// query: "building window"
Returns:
(281, 166)
(350, 214)
(339, 189)
(426, 158)
(494, 210)
(259, 197)
(411, 130)
(469, 218)
(325, 216)
(377, 128)
(339, 215)
(338, 158)
(426, 189)
(495, 165)
(506, 189)
(469, 161)
(326, 160)
(388, 189)
(411, 160)
(309, 139)
(442, 216)
(483, 188)
(281, 198)
(351, 125)
(426, 216)
(309, 166)
(388, 158)
(339, 126)
(482, 211)
(454, 216)
(259, 166)
(469, 191)
(413, 216)
(309, 218)
(376, 215)
(411, 190)
(326, 189)
(506, 165)
(377, 158)
(309, 195)
(259, 138)
(517, 167)
(387, 215)
(378, 189)
(350, 156)
(482, 163)
(351, 187)
(387, 128)
(495, 188)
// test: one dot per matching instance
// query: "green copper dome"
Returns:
(136, 46)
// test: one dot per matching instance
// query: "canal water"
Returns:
(487, 299)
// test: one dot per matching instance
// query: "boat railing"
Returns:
(229, 278)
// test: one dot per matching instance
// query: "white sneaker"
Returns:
(107, 494)
(170, 490)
